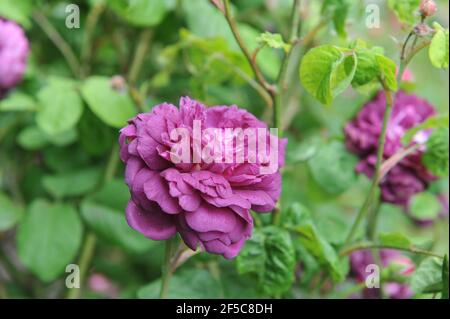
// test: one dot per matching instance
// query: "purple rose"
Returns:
(13, 54)
(207, 203)
(410, 176)
(401, 265)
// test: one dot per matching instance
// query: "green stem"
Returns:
(405, 59)
(59, 42)
(295, 22)
(139, 55)
(371, 245)
(87, 251)
(373, 188)
(136, 66)
(234, 29)
(84, 261)
(86, 47)
(372, 222)
(251, 81)
(167, 269)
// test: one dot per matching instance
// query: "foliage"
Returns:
(61, 177)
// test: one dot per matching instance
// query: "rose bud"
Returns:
(427, 8)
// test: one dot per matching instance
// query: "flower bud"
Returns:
(428, 8)
(422, 30)
(118, 83)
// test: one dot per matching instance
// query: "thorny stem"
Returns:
(404, 61)
(287, 61)
(59, 42)
(234, 29)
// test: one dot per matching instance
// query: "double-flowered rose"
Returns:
(410, 176)
(398, 265)
(207, 202)
(14, 50)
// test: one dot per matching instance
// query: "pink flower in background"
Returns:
(13, 54)
(207, 204)
(407, 75)
(410, 176)
(101, 284)
(402, 265)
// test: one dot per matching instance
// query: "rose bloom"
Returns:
(13, 54)
(401, 265)
(207, 204)
(410, 176)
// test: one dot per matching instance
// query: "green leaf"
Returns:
(104, 212)
(267, 59)
(75, 183)
(32, 138)
(405, 10)
(187, 284)
(141, 13)
(333, 226)
(439, 47)
(65, 159)
(17, 101)
(436, 157)
(10, 213)
(333, 168)
(327, 71)
(60, 107)
(113, 108)
(427, 275)
(270, 255)
(96, 138)
(338, 11)
(303, 151)
(253, 256)
(19, 11)
(445, 279)
(387, 69)
(425, 206)
(273, 40)
(279, 266)
(48, 238)
(367, 69)
(298, 219)
(434, 122)
(212, 24)
(394, 240)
